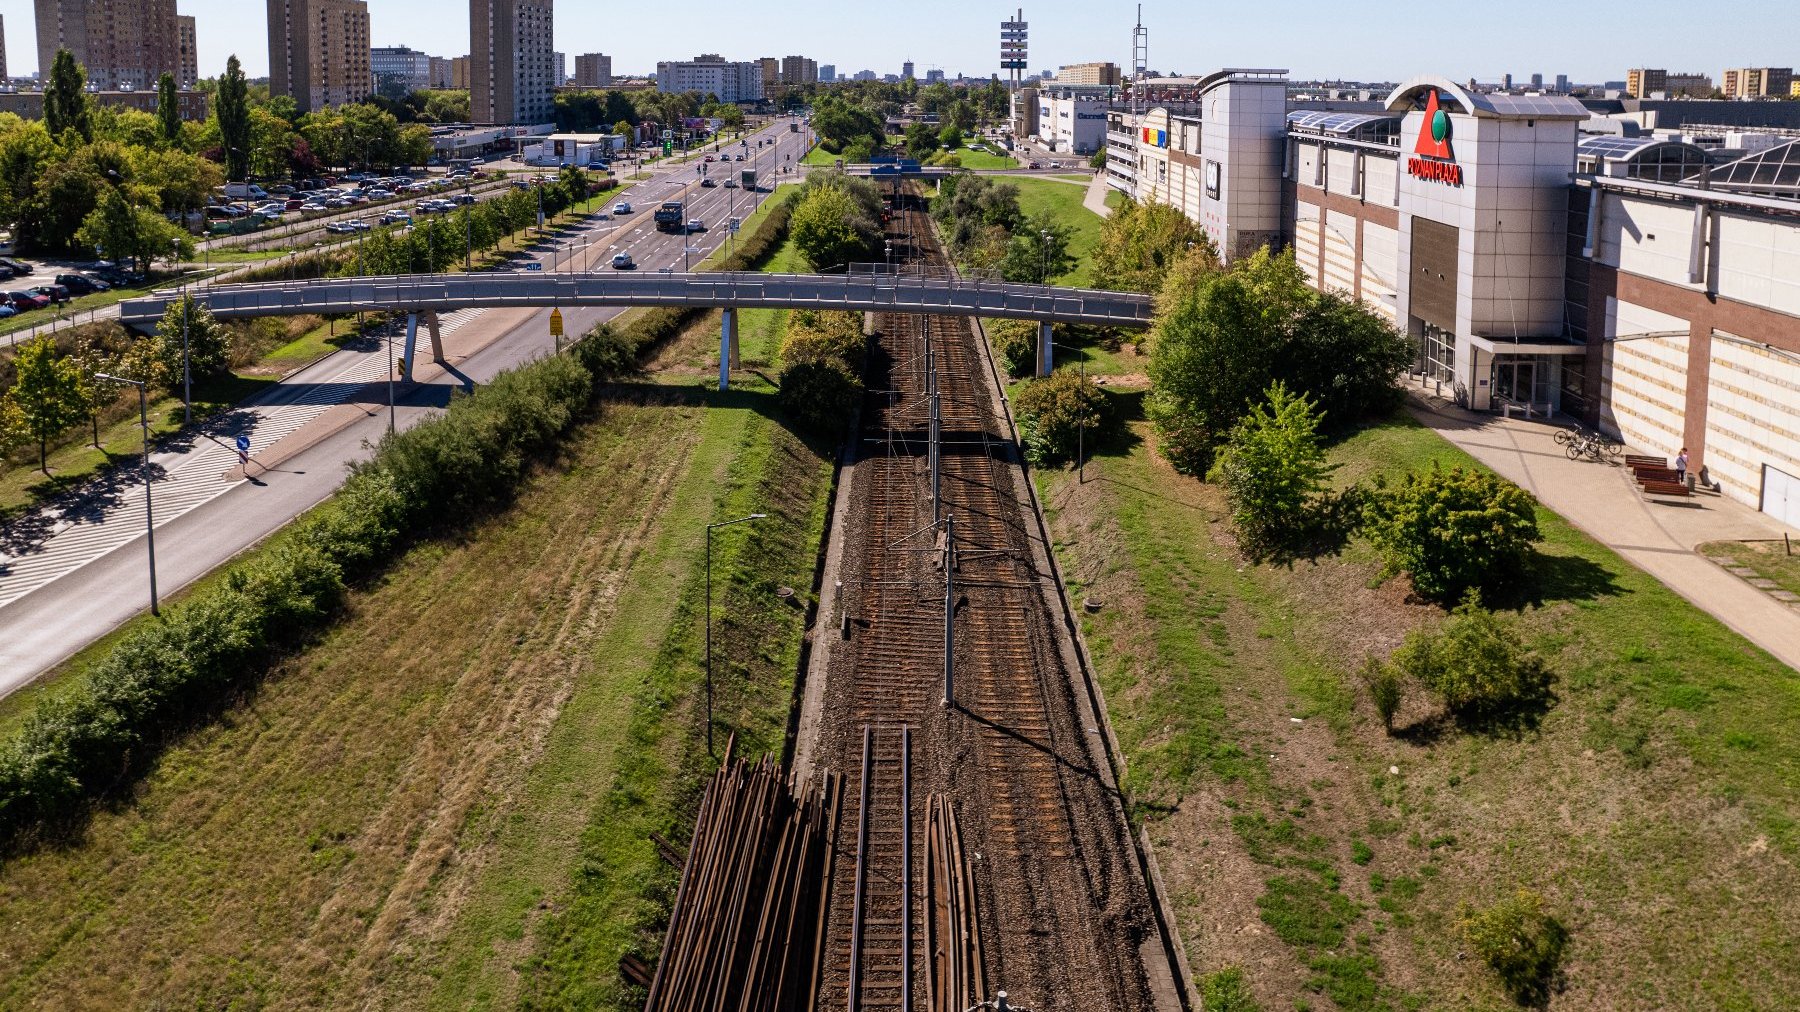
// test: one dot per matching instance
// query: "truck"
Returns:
(748, 178)
(671, 216)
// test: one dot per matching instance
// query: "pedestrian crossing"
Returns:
(191, 470)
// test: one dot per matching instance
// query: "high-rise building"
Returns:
(712, 75)
(864, 75)
(3, 77)
(770, 68)
(399, 70)
(1537, 82)
(186, 39)
(1506, 82)
(906, 70)
(1645, 82)
(1102, 73)
(798, 70)
(1757, 82)
(1562, 84)
(827, 72)
(123, 44)
(511, 60)
(934, 76)
(442, 76)
(593, 70)
(459, 72)
(319, 52)
(559, 69)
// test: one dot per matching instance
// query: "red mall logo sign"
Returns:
(1432, 158)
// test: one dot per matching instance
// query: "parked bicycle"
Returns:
(1597, 446)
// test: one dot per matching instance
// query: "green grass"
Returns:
(1769, 559)
(988, 159)
(1063, 202)
(1670, 758)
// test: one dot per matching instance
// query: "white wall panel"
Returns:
(1306, 240)
(1752, 416)
(1380, 267)
(1643, 382)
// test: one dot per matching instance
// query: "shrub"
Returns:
(1226, 991)
(1520, 942)
(1454, 530)
(1015, 344)
(1054, 410)
(819, 394)
(836, 335)
(1478, 665)
(1386, 688)
(1273, 471)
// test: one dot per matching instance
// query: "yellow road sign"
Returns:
(556, 323)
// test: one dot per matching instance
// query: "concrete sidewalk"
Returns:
(1095, 198)
(1657, 535)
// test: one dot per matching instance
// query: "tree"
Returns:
(825, 230)
(132, 233)
(92, 356)
(1273, 470)
(1055, 411)
(208, 342)
(49, 393)
(168, 114)
(232, 109)
(1454, 530)
(1140, 242)
(951, 136)
(65, 98)
(622, 129)
(1039, 251)
(921, 141)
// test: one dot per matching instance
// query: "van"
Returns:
(245, 191)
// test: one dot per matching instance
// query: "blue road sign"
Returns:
(243, 443)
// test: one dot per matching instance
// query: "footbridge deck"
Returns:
(877, 292)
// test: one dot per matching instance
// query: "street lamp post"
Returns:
(709, 670)
(1044, 257)
(149, 514)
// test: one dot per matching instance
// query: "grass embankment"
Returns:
(1653, 808)
(986, 158)
(446, 801)
(1063, 202)
(1770, 561)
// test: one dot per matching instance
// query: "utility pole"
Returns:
(949, 611)
(149, 514)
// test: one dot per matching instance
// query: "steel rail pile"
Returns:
(748, 925)
(952, 931)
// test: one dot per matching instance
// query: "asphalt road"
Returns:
(44, 627)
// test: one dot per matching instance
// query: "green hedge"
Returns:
(438, 474)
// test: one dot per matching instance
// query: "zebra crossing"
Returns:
(191, 470)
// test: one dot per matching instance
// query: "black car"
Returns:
(6, 272)
(708, 183)
(18, 266)
(55, 293)
(81, 284)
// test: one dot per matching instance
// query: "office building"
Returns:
(442, 73)
(934, 76)
(710, 74)
(827, 72)
(125, 45)
(1537, 82)
(1651, 83)
(187, 49)
(511, 61)
(319, 52)
(906, 71)
(798, 70)
(1071, 120)
(1106, 73)
(1757, 82)
(593, 70)
(559, 69)
(864, 75)
(1562, 84)
(459, 73)
(399, 70)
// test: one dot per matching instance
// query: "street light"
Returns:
(149, 515)
(709, 671)
(1044, 257)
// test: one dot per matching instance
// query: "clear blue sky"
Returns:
(1312, 38)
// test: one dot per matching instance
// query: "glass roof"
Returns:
(1342, 124)
(1774, 171)
(1611, 146)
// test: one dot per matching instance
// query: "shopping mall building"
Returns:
(1543, 258)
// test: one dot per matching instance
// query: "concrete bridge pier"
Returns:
(728, 345)
(1043, 349)
(430, 318)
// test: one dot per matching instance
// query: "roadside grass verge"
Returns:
(1324, 858)
(972, 159)
(1768, 559)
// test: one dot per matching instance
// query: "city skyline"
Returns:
(960, 38)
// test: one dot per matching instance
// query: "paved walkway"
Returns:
(1658, 536)
(1095, 200)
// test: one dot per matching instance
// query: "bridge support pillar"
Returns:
(437, 336)
(868, 324)
(1043, 349)
(412, 340)
(728, 345)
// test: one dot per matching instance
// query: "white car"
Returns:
(621, 208)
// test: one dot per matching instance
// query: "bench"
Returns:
(1639, 460)
(1665, 488)
(1643, 473)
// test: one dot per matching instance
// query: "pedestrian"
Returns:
(1681, 464)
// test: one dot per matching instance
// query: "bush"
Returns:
(1227, 991)
(831, 334)
(819, 394)
(1273, 471)
(1454, 530)
(1054, 410)
(1015, 344)
(1478, 665)
(1386, 689)
(1520, 942)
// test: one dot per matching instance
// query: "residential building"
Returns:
(934, 76)
(1104, 73)
(443, 75)
(864, 75)
(559, 69)
(188, 51)
(593, 70)
(770, 69)
(1652, 83)
(827, 72)
(399, 70)
(710, 74)
(459, 73)
(1562, 84)
(124, 44)
(510, 61)
(319, 52)
(798, 70)
(190, 105)
(1758, 82)
(1537, 82)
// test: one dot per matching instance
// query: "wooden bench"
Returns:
(1645, 473)
(1665, 488)
(1639, 460)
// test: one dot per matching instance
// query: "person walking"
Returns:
(1681, 466)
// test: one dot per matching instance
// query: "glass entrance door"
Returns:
(1515, 378)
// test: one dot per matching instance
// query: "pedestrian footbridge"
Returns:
(874, 291)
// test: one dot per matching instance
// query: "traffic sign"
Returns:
(243, 443)
(693, 249)
(733, 224)
(556, 323)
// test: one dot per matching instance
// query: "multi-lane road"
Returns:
(70, 575)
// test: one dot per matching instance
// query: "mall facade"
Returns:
(1543, 259)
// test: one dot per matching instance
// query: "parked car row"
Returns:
(61, 289)
(281, 200)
